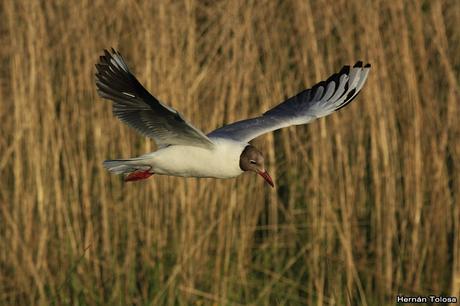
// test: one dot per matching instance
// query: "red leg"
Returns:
(138, 175)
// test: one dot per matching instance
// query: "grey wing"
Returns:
(135, 106)
(319, 101)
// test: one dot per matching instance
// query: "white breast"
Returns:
(221, 162)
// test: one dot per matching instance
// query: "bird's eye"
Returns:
(252, 161)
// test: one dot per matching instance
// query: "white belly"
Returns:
(221, 162)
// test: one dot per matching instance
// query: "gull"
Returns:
(184, 150)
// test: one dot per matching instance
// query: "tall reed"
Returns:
(367, 200)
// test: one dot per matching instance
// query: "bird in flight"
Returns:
(186, 151)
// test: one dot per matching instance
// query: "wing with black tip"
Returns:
(135, 106)
(321, 100)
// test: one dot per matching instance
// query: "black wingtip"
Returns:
(367, 65)
(107, 53)
(359, 64)
(344, 70)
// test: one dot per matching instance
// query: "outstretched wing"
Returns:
(319, 101)
(135, 106)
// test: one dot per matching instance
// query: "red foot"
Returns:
(138, 175)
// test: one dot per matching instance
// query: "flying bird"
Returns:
(226, 152)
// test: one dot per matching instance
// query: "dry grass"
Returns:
(367, 200)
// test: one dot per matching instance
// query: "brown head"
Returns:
(252, 160)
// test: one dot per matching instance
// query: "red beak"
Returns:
(266, 177)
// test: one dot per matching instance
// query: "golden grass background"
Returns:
(367, 200)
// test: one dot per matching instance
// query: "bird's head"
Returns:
(252, 160)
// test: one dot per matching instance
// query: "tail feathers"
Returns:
(120, 166)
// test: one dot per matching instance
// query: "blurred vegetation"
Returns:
(367, 200)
